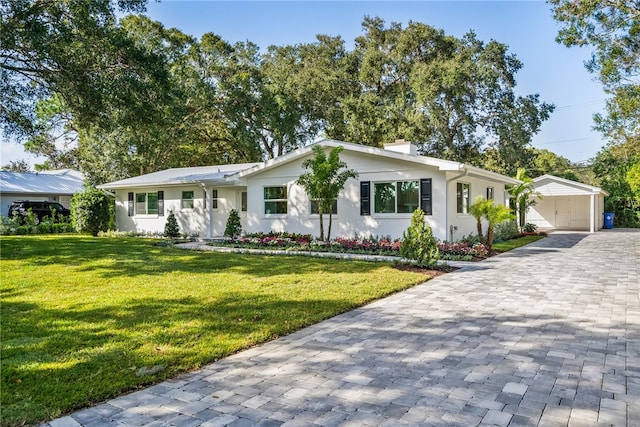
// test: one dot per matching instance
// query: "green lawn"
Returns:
(82, 316)
(515, 243)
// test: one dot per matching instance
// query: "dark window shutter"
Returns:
(130, 205)
(365, 198)
(160, 203)
(425, 196)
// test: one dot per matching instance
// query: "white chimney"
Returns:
(402, 146)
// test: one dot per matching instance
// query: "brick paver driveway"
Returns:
(548, 334)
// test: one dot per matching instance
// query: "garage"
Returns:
(566, 205)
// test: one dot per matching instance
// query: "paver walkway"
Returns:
(548, 334)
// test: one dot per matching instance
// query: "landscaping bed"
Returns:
(469, 250)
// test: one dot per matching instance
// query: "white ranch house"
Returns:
(392, 183)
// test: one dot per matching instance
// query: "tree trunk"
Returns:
(329, 230)
(321, 215)
(479, 225)
(489, 238)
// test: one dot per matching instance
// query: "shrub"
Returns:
(23, 229)
(45, 227)
(234, 226)
(61, 227)
(530, 228)
(90, 212)
(171, 228)
(418, 243)
(506, 231)
(470, 240)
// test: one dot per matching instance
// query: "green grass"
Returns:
(80, 316)
(515, 243)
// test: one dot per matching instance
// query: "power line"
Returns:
(566, 107)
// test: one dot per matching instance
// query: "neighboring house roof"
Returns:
(180, 176)
(550, 185)
(233, 174)
(65, 181)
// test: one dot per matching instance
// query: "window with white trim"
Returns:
(146, 203)
(187, 200)
(396, 197)
(275, 200)
(462, 197)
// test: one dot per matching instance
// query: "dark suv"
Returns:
(39, 208)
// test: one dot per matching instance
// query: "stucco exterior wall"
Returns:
(465, 223)
(348, 221)
(191, 221)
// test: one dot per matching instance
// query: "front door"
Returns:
(241, 203)
(563, 212)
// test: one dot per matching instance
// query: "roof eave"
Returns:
(202, 182)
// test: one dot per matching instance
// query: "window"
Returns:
(187, 200)
(243, 201)
(146, 203)
(275, 200)
(489, 193)
(462, 197)
(314, 208)
(396, 197)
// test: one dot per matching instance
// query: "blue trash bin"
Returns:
(608, 220)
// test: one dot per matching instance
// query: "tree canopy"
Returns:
(76, 50)
(133, 97)
(612, 29)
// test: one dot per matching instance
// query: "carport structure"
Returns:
(566, 205)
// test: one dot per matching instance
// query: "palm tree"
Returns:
(523, 195)
(496, 214)
(326, 179)
(477, 210)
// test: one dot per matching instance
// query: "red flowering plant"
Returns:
(462, 250)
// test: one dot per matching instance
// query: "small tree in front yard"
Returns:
(496, 214)
(325, 181)
(478, 210)
(171, 228)
(90, 211)
(234, 226)
(418, 243)
(523, 196)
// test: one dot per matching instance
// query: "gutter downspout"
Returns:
(466, 172)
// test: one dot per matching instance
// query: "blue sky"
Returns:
(555, 72)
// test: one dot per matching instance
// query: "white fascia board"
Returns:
(587, 187)
(494, 176)
(443, 165)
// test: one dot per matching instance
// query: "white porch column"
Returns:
(209, 195)
(592, 213)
